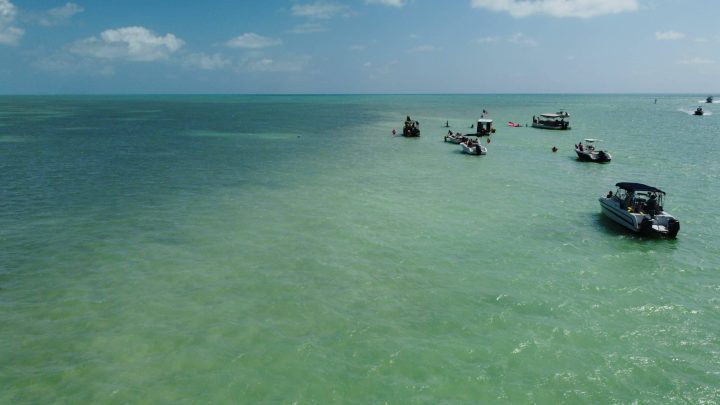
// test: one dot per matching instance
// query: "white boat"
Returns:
(639, 208)
(455, 138)
(472, 147)
(589, 153)
(552, 121)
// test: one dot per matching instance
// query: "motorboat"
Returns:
(699, 111)
(411, 128)
(588, 152)
(485, 127)
(709, 99)
(455, 138)
(473, 147)
(552, 121)
(639, 208)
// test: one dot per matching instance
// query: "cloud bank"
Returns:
(669, 36)
(558, 8)
(9, 34)
(319, 10)
(60, 15)
(252, 41)
(390, 3)
(137, 44)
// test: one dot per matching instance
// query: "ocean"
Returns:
(289, 249)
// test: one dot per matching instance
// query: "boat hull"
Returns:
(594, 156)
(556, 127)
(475, 149)
(662, 224)
(454, 139)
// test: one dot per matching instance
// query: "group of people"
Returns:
(649, 206)
(411, 128)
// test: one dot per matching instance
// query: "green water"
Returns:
(289, 249)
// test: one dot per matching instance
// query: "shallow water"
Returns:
(289, 249)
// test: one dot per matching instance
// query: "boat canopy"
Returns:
(551, 115)
(638, 187)
(485, 120)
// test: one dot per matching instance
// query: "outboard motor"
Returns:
(646, 224)
(673, 227)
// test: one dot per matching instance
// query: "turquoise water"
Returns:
(289, 249)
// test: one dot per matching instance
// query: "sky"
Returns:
(359, 46)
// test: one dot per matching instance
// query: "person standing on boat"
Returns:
(651, 205)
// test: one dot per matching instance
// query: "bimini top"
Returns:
(638, 187)
(549, 115)
(484, 120)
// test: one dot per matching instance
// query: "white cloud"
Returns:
(9, 34)
(390, 3)
(558, 8)
(267, 64)
(520, 39)
(252, 41)
(59, 15)
(136, 44)
(696, 61)
(319, 10)
(516, 39)
(669, 36)
(205, 62)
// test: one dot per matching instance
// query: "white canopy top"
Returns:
(485, 120)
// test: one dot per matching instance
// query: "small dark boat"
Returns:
(699, 111)
(411, 128)
(588, 152)
(709, 100)
(485, 127)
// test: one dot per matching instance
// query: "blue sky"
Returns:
(359, 46)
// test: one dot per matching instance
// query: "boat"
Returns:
(589, 153)
(455, 138)
(513, 124)
(709, 100)
(639, 208)
(411, 128)
(552, 121)
(485, 127)
(473, 147)
(699, 111)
